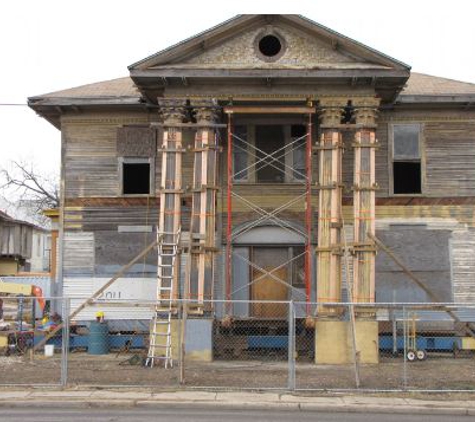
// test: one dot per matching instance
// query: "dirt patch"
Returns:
(111, 370)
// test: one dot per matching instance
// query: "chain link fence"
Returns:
(240, 345)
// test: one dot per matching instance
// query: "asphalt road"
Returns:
(164, 414)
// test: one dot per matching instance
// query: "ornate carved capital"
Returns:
(366, 110)
(366, 116)
(331, 111)
(172, 110)
(207, 110)
(330, 117)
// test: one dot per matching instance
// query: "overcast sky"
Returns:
(49, 45)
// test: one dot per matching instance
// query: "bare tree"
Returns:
(29, 189)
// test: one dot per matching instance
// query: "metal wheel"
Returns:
(421, 355)
(411, 355)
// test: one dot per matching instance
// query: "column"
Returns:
(203, 215)
(364, 201)
(329, 209)
(171, 189)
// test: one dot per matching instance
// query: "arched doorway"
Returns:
(268, 266)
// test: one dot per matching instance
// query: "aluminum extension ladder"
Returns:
(160, 347)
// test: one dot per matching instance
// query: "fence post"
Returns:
(291, 347)
(404, 334)
(65, 342)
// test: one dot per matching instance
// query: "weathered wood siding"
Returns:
(15, 239)
(450, 158)
(78, 250)
(463, 266)
(91, 152)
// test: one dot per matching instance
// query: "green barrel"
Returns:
(98, 338)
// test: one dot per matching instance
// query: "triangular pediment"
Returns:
(235, 45)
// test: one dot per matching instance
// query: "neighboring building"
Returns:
(330, 138)
(24, 247)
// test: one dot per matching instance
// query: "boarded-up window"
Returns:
(407, 159)
(298, 266)
(136, 141)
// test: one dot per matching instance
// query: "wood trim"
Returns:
(269, 110)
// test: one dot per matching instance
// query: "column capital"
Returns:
(206, 109)
(331, 111)
(366, 110)
(366, 116)
(172, 110)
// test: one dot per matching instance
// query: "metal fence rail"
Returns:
(241, 345)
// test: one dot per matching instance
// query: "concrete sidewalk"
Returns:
(232, 400)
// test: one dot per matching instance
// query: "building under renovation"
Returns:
(263, 156)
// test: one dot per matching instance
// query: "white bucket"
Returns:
(49, 350)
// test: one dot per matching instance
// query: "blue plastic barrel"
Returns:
(98, 338)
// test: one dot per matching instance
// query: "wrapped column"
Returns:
(203, 215)
(171, 189)
(364, 202)
(329, 208)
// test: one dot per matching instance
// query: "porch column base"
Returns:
(333, 344)
(198, 341)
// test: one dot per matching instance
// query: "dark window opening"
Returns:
(299, 146)
(297, 131)
(240, 153)
(270, 46)
(407, 177)
(348, 113)
(270, 145)
(136, 178)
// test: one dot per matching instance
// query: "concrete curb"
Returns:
(231, 401)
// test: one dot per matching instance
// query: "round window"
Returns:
(270, 46)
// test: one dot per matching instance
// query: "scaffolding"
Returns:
(273, 159)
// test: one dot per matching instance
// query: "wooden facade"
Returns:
(21, 246)
(388, 127)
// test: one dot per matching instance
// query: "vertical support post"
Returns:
(171, 189)
(405, 333)
(364, 203)
(329, 210)
(229, 208)
(308, 212)
(203, 215)
(65, 308)
(291, 347)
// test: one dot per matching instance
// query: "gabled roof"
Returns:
(181, 55)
